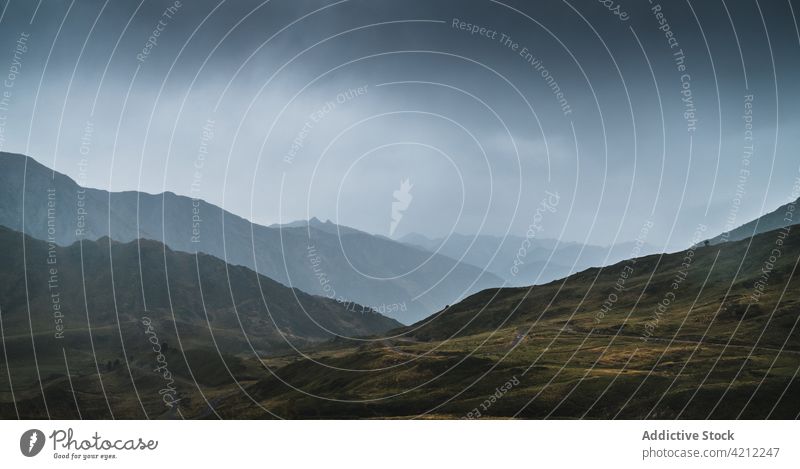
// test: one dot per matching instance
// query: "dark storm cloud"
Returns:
(590, 129)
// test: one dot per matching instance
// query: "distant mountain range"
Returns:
(545, 261)
(402, 281)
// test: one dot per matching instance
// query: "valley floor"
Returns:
(511, 373)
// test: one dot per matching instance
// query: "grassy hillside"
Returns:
(551, 351)
(711, 352)
(712, 300)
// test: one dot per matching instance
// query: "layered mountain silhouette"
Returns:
(402, 281)
(99, 284)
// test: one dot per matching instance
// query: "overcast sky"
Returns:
(372, 93)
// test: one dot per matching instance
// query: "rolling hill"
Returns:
(106, 282)
(98, 308)
(598, 344)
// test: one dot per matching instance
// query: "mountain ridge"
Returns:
(773, 220)
(362, 268)
(148, 277)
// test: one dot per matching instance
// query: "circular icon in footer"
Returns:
(31, 442)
